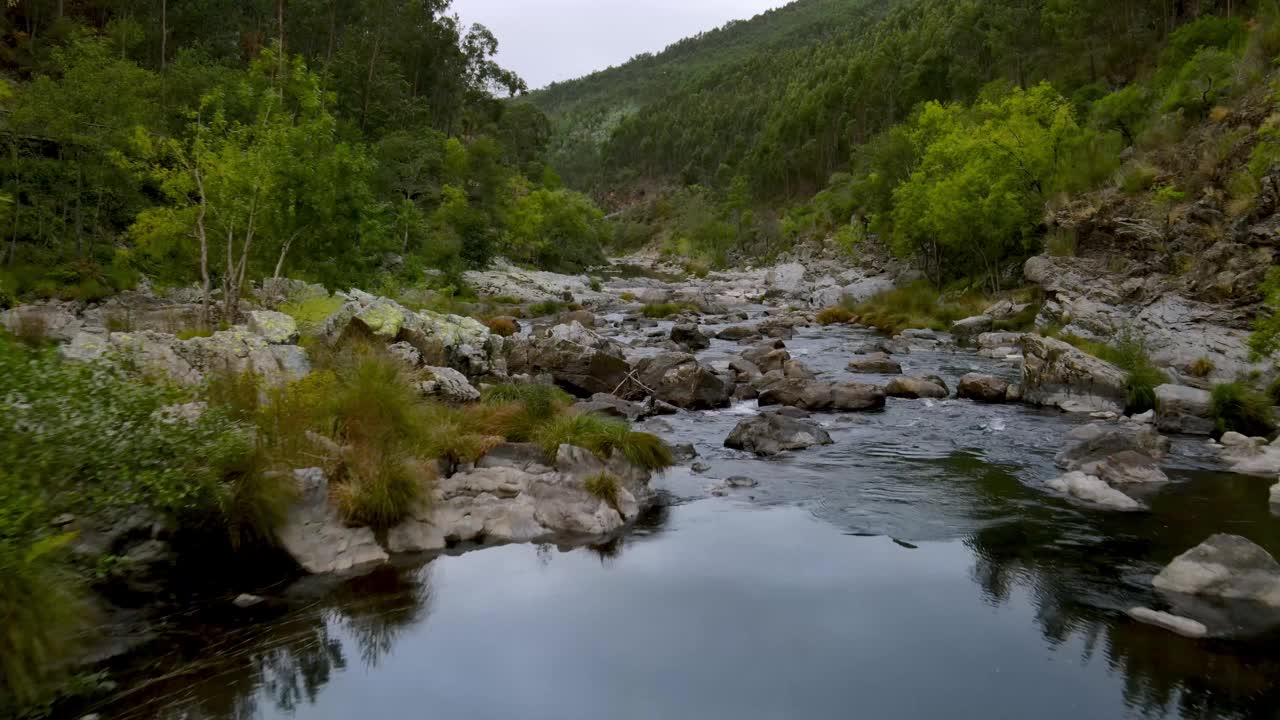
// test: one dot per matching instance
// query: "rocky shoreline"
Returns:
(515, 494)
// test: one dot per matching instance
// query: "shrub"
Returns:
(596, 285)
(311, 313)
(658, 311)
(502, 326)
(1061, 242)
(1202, 367)
(44, 612)
(1137, 177)
(836, 315)
(605, 487)
(380, 489)
(1242, 409)
(546, 307)
(602, 436)
(918, 305)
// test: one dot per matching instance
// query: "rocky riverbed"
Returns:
(845, 505)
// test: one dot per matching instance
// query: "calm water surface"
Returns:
(915, 569)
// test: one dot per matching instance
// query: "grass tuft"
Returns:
(836, 315)
(1202, 368)
(602, 436)
(658, 311)
(502, 326)
(606, 487)
(919, 305)
(1240, 408)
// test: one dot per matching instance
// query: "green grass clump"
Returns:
(602, 436)
(44, 612)
(658, 311)
(1202, 368)
(1242, 409)
(836, 315)
(547, 307)
(919, 305)
(502, 326)
(311, 313)
(604, 486)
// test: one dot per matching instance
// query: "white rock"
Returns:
(1226, 566)
(274, 327)
(1185, 627)
(1093, 490)
(317, 538)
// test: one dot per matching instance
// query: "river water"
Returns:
(914, 569)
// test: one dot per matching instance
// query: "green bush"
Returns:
(1239, 408)
(547, 308)
(836, 315)
(919, 305)
(659, 311)
(602, 436)
(605, 487)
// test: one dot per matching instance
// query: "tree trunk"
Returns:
(164, 32)
(373, 59)
(203, 237)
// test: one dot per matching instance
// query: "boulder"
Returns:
(1056, 374)
(818, 396)
(766, 357)
(462, 343)
(187, 362)
(585, 318)
(915, 388)
(797, 370)
(1224, 566)
(316, 537)
(787, 280)
(689, 336)
(983, 388)
(1183, 409)
(770, 434)
(448, 385)
(1129, 467)
(578, 359)
(971, 327)
(744, 370)
(875, 363)
(679, 379)
(736, 333)
(1177, 624)
(515, 495)
(50, 319)
(854, 397)
(274, 327)
(613, 406)
(1097, 441)
(1093, 490)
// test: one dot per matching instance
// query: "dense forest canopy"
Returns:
(315, 138)
(940, 126)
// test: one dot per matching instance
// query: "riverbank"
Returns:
(937, 469)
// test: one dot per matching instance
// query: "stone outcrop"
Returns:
(274, 327)
(876, 363)
(503, 279)
(815, 395)
(1183, 409)
(1224, 566)
(462, 343)
(188, 361)
(1097, 441)
(1093, 490)
(515, 495)
(316, 537)
(968, 329)
(447, 384)
(982, 388)
(769, 434)
(1088, 301)
(679, 379)
(1056, 374)
(917, 387)
(580, 360)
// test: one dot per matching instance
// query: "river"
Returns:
(914, 569)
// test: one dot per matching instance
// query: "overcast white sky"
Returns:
(550, 40)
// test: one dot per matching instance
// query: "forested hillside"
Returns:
(222, 142)
(941, 127)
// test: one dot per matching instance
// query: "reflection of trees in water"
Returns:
(224, 671)
(1083, 569)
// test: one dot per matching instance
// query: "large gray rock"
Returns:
(770, 434)
(1183, 409)
(916, 387)
(315, 536)
(1177, 624)
(235, 351)
(689, 336)
(1128, 467)
(462, 343)
(736, 333)
(1094, 491)
(578, 359)
(274, 327)
(766, 357)
(1224, 566)
(448, 385)
(50, 319)
(814, 395)
(1056, 374)
(876, 363)
(503, 279)
(970, 328)
(983, 388)
(514, 495)
(679, 379)
(1096, 442)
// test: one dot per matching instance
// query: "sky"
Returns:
(549, 40)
